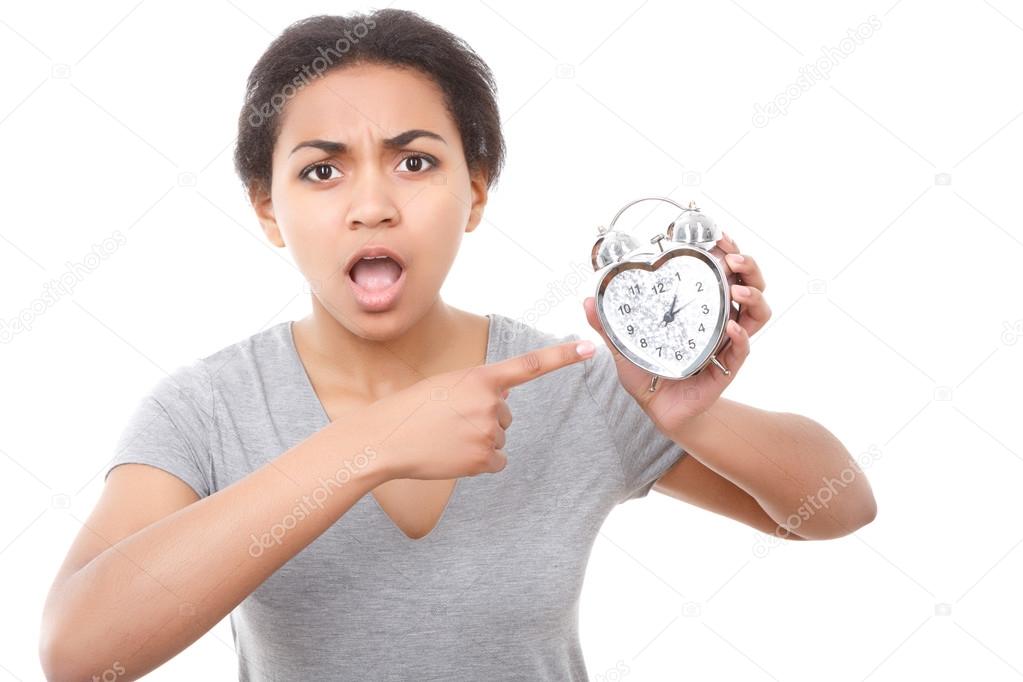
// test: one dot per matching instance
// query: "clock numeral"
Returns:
(632, 330)
(699, 286)
(658, 288)
(702, 328)
(625, 308)
(634, 290)
(642, 342)
(705, 309)
(678, 355)
(659, 349)
(692, 344)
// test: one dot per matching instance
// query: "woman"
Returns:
(324, 476)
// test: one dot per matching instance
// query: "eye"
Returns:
(414, 163)
(322, 172)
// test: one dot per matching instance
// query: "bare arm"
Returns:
(155, 568)
(800, 476)
(689, 480)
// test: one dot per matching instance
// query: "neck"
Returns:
(444, 338)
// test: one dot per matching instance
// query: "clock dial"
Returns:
(668, 316)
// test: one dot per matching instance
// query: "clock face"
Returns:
(669, 318)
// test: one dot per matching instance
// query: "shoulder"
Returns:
(516, 336)
(244, 360)
(192, 385)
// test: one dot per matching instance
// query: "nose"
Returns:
(372, 204)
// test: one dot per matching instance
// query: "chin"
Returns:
(384, 325)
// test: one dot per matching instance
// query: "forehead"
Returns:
(372, 100)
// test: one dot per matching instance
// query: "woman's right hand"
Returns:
(453, 424)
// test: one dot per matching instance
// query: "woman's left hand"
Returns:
(676, 401)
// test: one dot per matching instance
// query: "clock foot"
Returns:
(653, 384)
(717, 363)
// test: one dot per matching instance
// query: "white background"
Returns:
(881, 206)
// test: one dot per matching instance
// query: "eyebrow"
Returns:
(395, 142)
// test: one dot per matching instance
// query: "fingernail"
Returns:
(736, 257)
(585, 348)
(741, 290)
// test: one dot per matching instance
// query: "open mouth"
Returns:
(375, 273)
(376, 280)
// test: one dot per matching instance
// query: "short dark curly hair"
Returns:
(313, 46)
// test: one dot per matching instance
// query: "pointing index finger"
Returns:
(535, 363)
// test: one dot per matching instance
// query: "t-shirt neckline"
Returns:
(323, 420)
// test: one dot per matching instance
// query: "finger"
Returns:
(504, 415)
(755, 309)
(590, 306)
(748, 269)
(536, 363)
(498, 461)
(727, 244)
(500, 439)
(737, 352)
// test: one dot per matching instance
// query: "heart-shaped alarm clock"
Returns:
(665, 310)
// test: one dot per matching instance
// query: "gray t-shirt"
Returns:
(491, 593)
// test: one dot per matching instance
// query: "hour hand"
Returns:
(670, 315)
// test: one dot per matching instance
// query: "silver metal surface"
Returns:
(692, 235)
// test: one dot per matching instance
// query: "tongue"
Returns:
(376, 273)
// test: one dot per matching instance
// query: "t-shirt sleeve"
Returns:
(170, 428)
(644, 452)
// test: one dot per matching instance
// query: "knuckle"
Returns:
(493, 432)
(531, 362)
(480, 456)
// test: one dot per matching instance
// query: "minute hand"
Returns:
(676, 310)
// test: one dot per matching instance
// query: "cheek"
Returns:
(436, 224)
(439, 206)
(310, 229)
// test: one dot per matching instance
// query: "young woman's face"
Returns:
(339, 186)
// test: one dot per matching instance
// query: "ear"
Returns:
(264, 207)
(478, 185)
